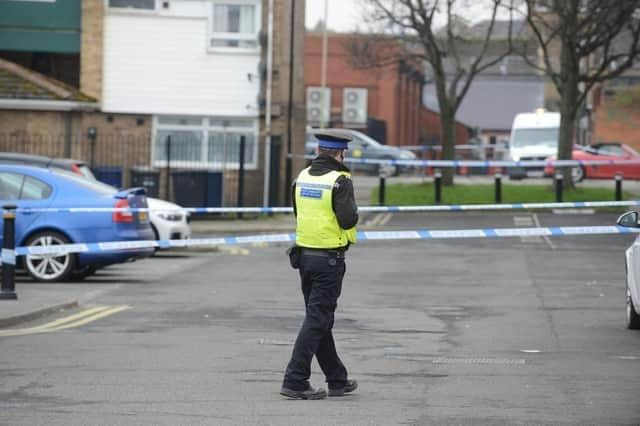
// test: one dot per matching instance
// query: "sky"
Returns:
(343, 14)
(346, 15)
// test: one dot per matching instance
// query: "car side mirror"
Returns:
(628, 220)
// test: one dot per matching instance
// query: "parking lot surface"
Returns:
(484, 332)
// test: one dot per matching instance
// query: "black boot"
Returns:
(349, 387)
(310, 393)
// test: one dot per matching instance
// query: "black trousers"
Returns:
(321, 286)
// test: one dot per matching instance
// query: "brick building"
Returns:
(155, 80)
(616, 115)
(393, 91)
(431, 132)
(287, 95)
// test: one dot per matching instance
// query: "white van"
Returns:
(534, 136)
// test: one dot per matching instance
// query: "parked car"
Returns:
(169, 221)
(534, 136)
(602, 151)
(365, 147)
(37, 187)
(75, 166)
(632, 263)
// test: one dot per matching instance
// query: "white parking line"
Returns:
(547, 239)
(385, 219)
(526, 221)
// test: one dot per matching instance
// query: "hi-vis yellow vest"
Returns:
(317, 225)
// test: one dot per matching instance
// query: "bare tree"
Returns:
(455, 51)
(582, 43)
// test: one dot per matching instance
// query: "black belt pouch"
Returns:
(294, 253)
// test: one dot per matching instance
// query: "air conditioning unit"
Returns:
(354, 107)
(318, 105)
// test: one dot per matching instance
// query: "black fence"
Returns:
(180, 168)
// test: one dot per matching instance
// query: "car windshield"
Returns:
(94, 185)
(534, 137)
(632, 151)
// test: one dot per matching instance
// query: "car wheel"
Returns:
(577, 174)
(82, 273)
(633, 319)
(49, 268)
(156, 237)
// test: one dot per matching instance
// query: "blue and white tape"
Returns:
(420, 234)
(483, 163)
(8, 256)
(371, 209)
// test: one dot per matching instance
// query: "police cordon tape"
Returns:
(364, 209)
(420, 234)
(482, 163)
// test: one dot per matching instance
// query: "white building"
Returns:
(192, 65)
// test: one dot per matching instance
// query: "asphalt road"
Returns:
(461, 332)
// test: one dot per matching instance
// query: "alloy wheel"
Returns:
(577, 174)
(48, 267)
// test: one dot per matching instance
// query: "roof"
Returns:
(500, 29)
(506, 97)
(20, 83)
(534, 120)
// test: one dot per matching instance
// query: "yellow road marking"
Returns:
(92, 318)
(75, 320)
(235, 251)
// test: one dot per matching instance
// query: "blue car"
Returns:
(35, 187)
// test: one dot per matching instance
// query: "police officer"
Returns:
(326, 215)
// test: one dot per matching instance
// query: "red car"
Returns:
(602, 151)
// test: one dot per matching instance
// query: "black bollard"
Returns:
(437, 180)
(559, 179)
(619, 178)
(8, 289)
(498, 180)
(240, 201)
(381, 191)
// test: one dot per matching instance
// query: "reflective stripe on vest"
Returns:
(317, 225)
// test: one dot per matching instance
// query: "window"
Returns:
(133, 4)
(15, 186)
(204, 142)
(91, 184)
(234, 24)
(10, 186)
(34, 189)
(615, 150)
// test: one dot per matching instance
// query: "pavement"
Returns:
(36, 300)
